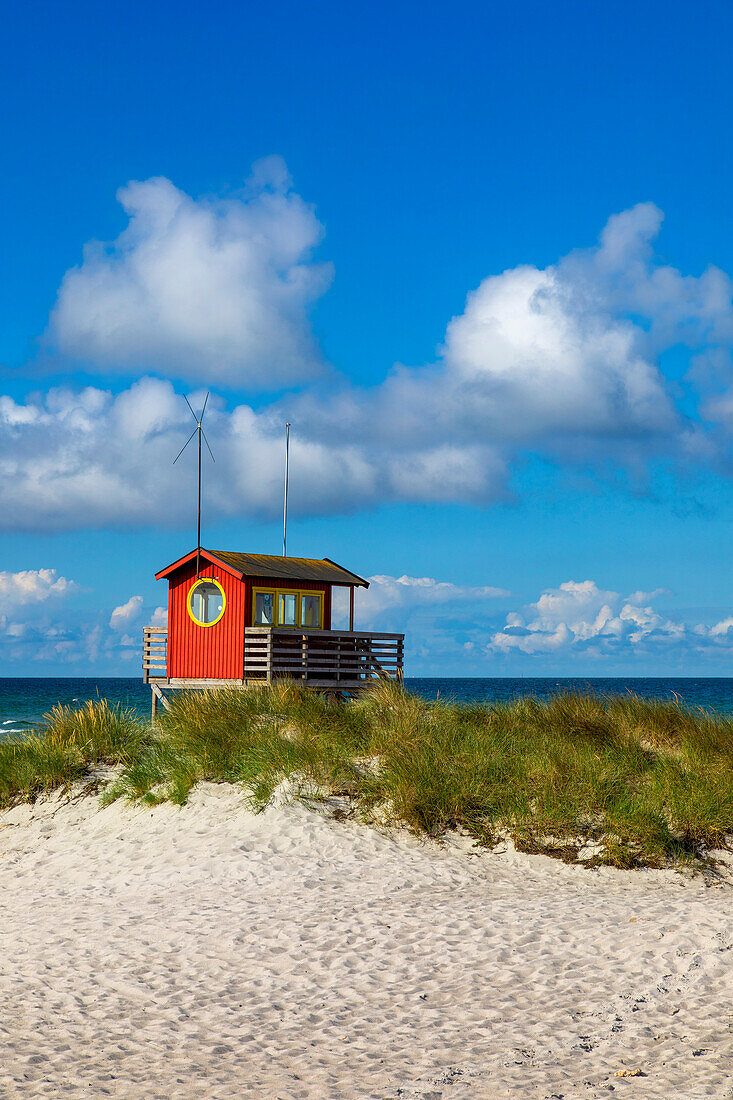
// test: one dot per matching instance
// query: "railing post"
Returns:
(304, 655)
(269, 657)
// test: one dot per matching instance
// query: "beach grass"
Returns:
(65, 748)
(601, 780)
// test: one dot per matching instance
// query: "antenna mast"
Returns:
(198, 430)
(285, 504)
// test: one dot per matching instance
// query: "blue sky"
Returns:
(386, 225)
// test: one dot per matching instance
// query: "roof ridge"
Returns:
(241, 564)
(278, 557)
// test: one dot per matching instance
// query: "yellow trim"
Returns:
(206, 580)
(277, 593)
(272, 592)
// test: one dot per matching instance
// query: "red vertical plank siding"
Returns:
(210, 652)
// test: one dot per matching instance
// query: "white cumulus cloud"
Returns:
(91, 639)
(88, 458)
(214, 289)
(392, 603)
(579, 616)
(33, 586)
(562, 361)
(390, 596)
(159, 617)
(127, 613)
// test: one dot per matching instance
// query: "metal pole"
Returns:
(285, 504)
(198, 520)
(198, 429)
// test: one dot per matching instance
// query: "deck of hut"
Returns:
(232, 645)
(339, 661)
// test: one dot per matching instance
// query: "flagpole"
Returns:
(198, 515)
(285, 502)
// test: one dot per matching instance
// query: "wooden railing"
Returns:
(341, 660)
(155, 650)
(338, 659)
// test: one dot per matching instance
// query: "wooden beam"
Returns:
(158, 696)
(351, 608)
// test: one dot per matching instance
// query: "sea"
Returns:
(24, 701)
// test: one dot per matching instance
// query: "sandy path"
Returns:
(207, 952)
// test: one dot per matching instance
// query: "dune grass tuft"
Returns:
(619, 780)
(65, 747)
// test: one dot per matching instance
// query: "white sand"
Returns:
(210, 953)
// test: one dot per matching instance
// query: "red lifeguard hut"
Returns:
(237, 618)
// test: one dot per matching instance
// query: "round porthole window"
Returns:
(206, 602)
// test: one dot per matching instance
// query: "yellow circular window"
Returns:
(206, 602)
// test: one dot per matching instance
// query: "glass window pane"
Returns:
(311, 611)
(264, 607)
(207, 602)
(288, 605)
(214, 604)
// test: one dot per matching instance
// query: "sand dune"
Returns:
(208, 952)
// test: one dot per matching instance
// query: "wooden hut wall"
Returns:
(217, 651)
(206, 651)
